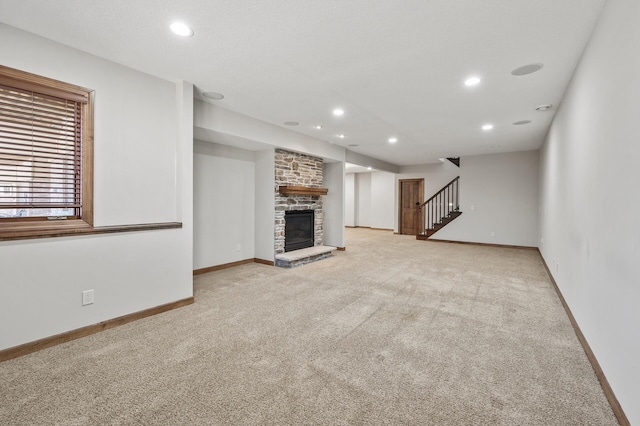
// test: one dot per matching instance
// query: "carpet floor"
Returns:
(392, 331)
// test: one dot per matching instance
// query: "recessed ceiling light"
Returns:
(181, 29)
(318, 127)
(487, 127)
(521, 122)
(353, 144)
(291, 123)
(543, 108)
(393, 140)
(369, 168)
(472, 81)
(213, 95)
(341, 136)
(338, 112)
(527, 69)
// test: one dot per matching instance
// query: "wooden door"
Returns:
(410, 219)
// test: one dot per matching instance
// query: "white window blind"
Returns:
(40, 152)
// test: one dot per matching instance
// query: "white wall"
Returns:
(363, 199)
(589, 227)
(350, 199)
(224, 204)
(265, 204)
(383, 195)
(499, 200)
(143, 157)
(333, 204)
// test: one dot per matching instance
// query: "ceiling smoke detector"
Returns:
(527, 69)
(213, 95)
(543, 108)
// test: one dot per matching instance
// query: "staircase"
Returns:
(440, 210)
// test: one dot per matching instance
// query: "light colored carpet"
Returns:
(393, 331)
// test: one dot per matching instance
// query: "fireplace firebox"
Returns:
(298, 229)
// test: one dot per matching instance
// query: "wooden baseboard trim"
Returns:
(604, 383)
(350, 226)
(341, 248)
(264, 262)
(483, 244)
(223, 266)
(382, 229)
(48, 342)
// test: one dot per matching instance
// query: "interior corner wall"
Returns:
(383, 194)
(363, 199)
(498, 200)
(224, 204)
(265, 204)
(589, 174)
(333, 204)
(142, 166)
(350, 199)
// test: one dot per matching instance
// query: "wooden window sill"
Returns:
(25, 230)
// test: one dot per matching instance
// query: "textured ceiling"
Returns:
(396, 67)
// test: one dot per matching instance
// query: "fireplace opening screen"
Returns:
(298, 229)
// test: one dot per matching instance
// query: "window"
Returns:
(46, 154)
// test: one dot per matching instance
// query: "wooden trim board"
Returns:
(483, 244)
(71, 229)
(264, 262)
(232, 264)
(604, 383)
(223, 266)
(48, 342)
(341, 248)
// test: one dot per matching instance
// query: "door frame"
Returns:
(421, 195)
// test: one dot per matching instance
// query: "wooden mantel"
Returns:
(302, 190)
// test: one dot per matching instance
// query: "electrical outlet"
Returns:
(238, 247)
(87, 297)
(493, 233)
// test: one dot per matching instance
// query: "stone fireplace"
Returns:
(298, 171)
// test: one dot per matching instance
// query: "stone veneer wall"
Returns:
(292, 168)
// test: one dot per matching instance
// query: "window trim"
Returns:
(12, 228)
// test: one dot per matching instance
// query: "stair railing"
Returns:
(440, 206)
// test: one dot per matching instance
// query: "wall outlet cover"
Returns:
(87, 297)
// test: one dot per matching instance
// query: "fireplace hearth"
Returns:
(298, 229)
